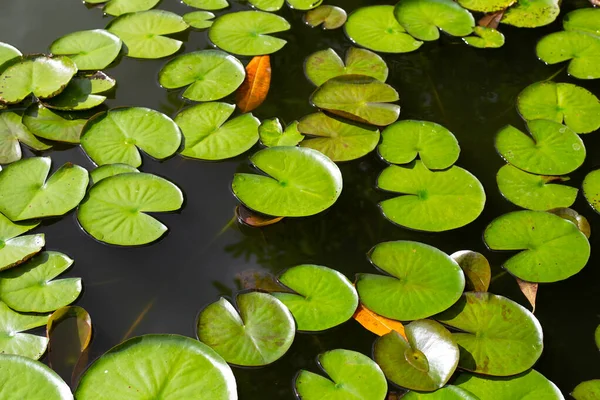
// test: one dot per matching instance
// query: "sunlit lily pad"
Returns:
(211, 5)
(581, 49)
(120, 7)
(432, 201)
(485, 38)
(591, 189)
(351, 375)
(329, 17)
(583, 19)
(144, 33)
(199, 19)
(588, 390)
(12, 133)
(158, 366)
(421, 281)
(23, 378)
(486, 5)
(338, 140)
(210, 74)
(114, 211)
(258, 333)
(247, 33)
(17, 249)
(272, 133)
(304, 4)
(448, 392)
(528, 385)
(83, 92)
(14, 341)
(424, 361)
(376, 28)
(323, 297)
(531, 13)
(91, 50)
(267, 5)
(8, 53)
(114, 136)
(108, 170)
(476, 268)
(298, 182)
(552, 148)
(44, 123)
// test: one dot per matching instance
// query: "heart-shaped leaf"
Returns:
(199, 19)
(108, 170)
(581, 49)
(532, 14)
(253, 91)
(15, 249)
(14, 341)
(476, 268)
(120, 7)
(90, 50)
(12, 133)
(23, 378)
(44, 123)
(272, 133)
(329, 17)
(530, 384)
(485, 38)
(83, 92)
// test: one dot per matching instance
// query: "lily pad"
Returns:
(8, 53)
(588, 390)
(44, 123)
(496, 336)
(143, 33)
(326, 64)
(476, 268)
(534, 192)
(12, 133)
(120, 7)
(591, 189)
(404, 140)
(272, 133)
(114, 136)
(486, 6)
(267, 5)
(485, 38)
(90, 50)
(531, 13)
(83, 92)
(553, 248)
(304, 4)
(25, 193)
(552, 148)
(211, 74)
(376, 28)
(420, 281)
(106, 171)
(210, 136)
(329, 17)
(114, 211)
(247, 33)
(351, 375)
(199, 19)
(581, 49)
(23, 378)
(300, 182)
(14, 341)
(448, 392)
(16, 249)
(424, 361)
(158, 366)
(583, 19)
(338, 140)
(258, 334)
(211, 5)
(530, 384)
(432, 201)
(323, 297)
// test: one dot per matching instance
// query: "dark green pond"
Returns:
(160, 288)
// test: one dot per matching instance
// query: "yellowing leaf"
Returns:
(376, 323)
(255, 87)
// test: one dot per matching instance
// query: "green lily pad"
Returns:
(120, 7)
(114, 136)
(552, 148)
(351, 375)
(31, 287)
(326, 64)
(83, 92)
(247, 33)
(424, 18)
(8, 53)
(432, 201)
(577, 107)
(40, 75)
(25, 193)
(329, 17)
(487, 6)
(591, 189)
(583, 19)
(90, 50)
(12, 133)
(322, 298)
(338, 140)
(528, 385)
(485, 38)
(531, 13)
(158, 366)
(376, 28)
(424, 361)
(143, 33)
(44, 123)
(267, 5)
(588, 390)
(304, 4)
(300, 182)
(212, 5)
(404, 140)
(360, 98)
(448, 392)
(260, 333)
(199, 19)
(272, 134)
(534, 192)
(12, 338)
(16, 249)
(581, 49)
(211, 74)
(496, 336)
(210, 136)
(476, 268)
(114, 211)
(106, 171)
(23, 378)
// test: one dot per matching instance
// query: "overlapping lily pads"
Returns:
(13, 340)
(272, 133)
(485, 38)
(108, 170)
(44, 123)
(23, 378)
(448, 392)
(8, 53)
(83, 92)
(329, 17)
(90, 50)
(199, 19)
(12, 134)
(476, 268)
(530, 384)
(120, 7)
(17, 249)
(591, 189)
(532, 14)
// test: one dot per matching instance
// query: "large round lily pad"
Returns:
(329, 17)
(46, 124)
(259, 333)
(13, 340)
(581, 49)
(591, 189)
(17, 249)
(158, 366)
(90, 50)
(448, 392)
(583, 19)
(12, 133)
(120, 7)
(420, 281)
(528, 385)
(553, 248)
(432, 201)
(272, 134)
(485, 38)
(22, 378)
(531, 14)
(83, 92)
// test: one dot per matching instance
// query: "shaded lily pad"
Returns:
(16, 249)
(531, 13)
(579, 220)
(304, 4)
(199, 19)
(338, 140)
(44, 123)
(299, 182)
(12, 133)
(267, 5)
(376, 28)
(583, 19)
(553, 248)
(83, 92)
(424, 361)
(258, 334)
(8, 53)
(530, 384)
(211, 74)
(486, 6)
(247, 33)
(211, 5)
(158, 366)
(448, 392)
(210, 136)
(23, 378)
(404, 140)
(329, 17)
(272, 133)
(476, 268)
(588, 390)
(14, 341)
(581, 49)
(591, 189)
(143, 33)
(91, 50)
(114, 211)
(421, 281)
(552, 148)
(485, 38)
(351, 375)
(326, 64)
(120, 7)
(114, 136)
(496, 336)
(108, 170)
(432, 201)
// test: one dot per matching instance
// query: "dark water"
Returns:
(470, 91)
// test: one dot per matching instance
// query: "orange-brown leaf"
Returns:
(376, 323)
(250, 218)
(255, 87)
(491, 20)
(529, 289)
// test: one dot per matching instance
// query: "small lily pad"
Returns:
(476, 268)
(23, 378)
(581, 49)
(267, 5)
(44, 123)
(83, 92)
(531, 13)
(14, 341)
(16, 249)
(485, 38)
(12, 133)
(272, 133)
(530, 384)
(8, 53)
(591, 189)
(259, 334)
(199, 19)
(583, 19)
(90, 50)
(211, 5)
(108, 170)
(448, 392)
(487, 6)
(588, 390)
(329, 17)
(120, 7)
(304, 4)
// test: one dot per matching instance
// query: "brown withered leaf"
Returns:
(576, 218)
(529, 289)
(477, 270)
(250, 218)
(491, 20)
(255, 87)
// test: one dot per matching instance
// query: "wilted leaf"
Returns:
(476, 268)
(491, 20)
(571, 215)
(250, 218)
(376, 323)
(255, 87)
(261, 280)
(529, 289)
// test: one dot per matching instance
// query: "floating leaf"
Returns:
(529, 384)
(491, 20)
(15, 249)
(272, 133)
(12, 133)
(83, 92)
(476, 268)
(486, 6)
(329, 17)
(583, 19)
(529, 289)
(267, 5)
(108, 170)
(120, 7)
(448, 392)
(581, 49)
(485, 38)
(90, 50)
(376, 323)
(23, 378)
(260, 333)
(588, 390)
(255, 87)
(532, 13)
(571, 215)
(212, 5)
(258, 279)
(14, 341)
(44, 123)
(253, 219)
(8, 53)
(304, 4)
(199, 19)
(591, 189)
